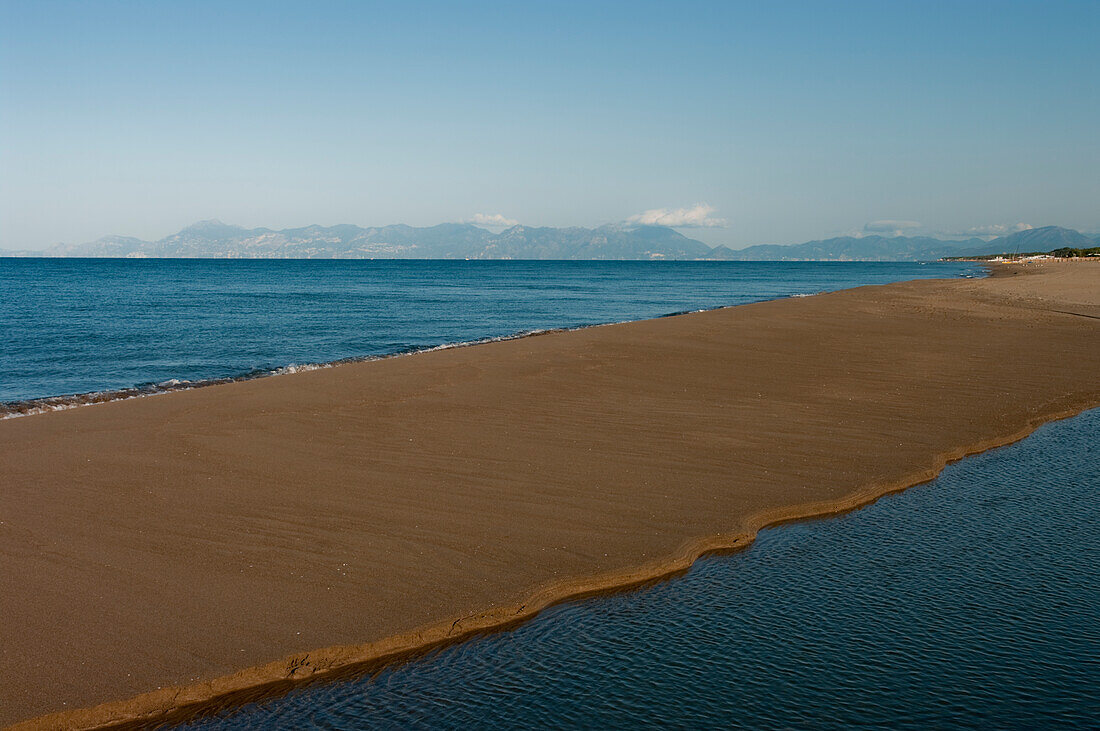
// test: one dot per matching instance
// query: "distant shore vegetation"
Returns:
(1062, 253)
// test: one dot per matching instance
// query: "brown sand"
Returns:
(379, 507)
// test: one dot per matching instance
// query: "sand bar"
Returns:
(166, 551)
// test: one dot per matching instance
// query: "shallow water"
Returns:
(71, 326)
(971, 601)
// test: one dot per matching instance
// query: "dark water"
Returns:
(972, 601)
(71, 326)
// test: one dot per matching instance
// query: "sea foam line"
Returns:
(47, 404)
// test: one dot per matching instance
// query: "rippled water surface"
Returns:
(72, 326)
(971, 601)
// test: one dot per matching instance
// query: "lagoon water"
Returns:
(71, 326)
(972, 601)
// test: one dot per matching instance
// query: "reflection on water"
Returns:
(973, 600)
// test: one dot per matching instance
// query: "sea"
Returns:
(77, 331)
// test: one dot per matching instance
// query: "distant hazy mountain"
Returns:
(864, 248)
(908, 248)
(606, 242)
(1046, 238)
(445, 241)
(215, 239)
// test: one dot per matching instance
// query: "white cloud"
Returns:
(492, 219)
(890, 226)
(698, 216)
(998, 229)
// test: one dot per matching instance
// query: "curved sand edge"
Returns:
(273, 679)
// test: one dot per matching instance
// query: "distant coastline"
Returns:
(214, 239)
(1064, 254)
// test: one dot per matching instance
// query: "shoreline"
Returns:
(182, 701)
(17, 408)
(346, 662)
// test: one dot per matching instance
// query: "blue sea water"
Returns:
(972, 601)
(74, 326)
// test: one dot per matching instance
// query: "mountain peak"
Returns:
(211, 225)
(1044, 238)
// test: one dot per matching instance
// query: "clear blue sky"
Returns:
(791, 120)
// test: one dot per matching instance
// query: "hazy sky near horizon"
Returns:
(770, 122)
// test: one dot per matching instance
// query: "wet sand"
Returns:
(161, 553)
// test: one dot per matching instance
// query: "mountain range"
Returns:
(910, 248)
(214, 239)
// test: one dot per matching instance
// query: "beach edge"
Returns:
(178, 704)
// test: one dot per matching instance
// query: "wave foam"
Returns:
(46, 404)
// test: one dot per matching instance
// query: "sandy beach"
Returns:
(165, 554)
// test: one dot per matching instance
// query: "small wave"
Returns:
(30, 407)
(294, 368)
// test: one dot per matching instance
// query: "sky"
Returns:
(738, 122)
